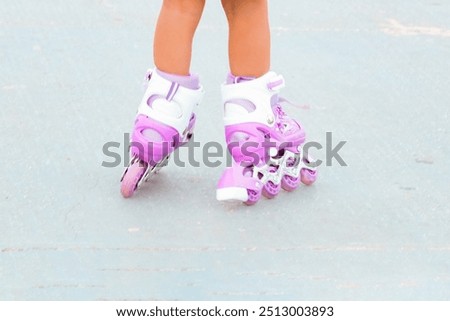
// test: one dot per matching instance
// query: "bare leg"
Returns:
(249, 37)
(174, 33)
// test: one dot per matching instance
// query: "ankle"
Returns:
(190, 81)
(232, 79)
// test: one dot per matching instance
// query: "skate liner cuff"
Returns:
(232, 79)
(191, 82)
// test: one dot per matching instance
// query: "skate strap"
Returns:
(172, 91)
(284, 100)
(276, 83)
(174, 86)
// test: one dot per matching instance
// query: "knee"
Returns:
(234, 7)
(185, 7)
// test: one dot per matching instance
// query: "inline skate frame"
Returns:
(165, 121)
(265, 143)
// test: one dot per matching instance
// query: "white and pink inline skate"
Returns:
(265, 144)
(165, 121)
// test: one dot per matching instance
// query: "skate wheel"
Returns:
(253, 197)
(290, 183)
(270, 190)
(308, 176)
(131, 179)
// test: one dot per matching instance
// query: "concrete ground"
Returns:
(374, 73)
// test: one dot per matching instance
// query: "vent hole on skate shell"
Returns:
(292, 162)
(239, 137)
(264, 133)
(280, 154)
(238, 107)
(152, 135)
(248, 171)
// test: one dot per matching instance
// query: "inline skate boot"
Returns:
(265, 143)
(165, 121)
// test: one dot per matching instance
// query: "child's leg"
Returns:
(253, 114)
(175, 30)
(249, 39)
(165, 119)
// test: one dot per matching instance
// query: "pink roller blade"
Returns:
(150, 154)
(131, 178)
(154, 149)
(282, 166)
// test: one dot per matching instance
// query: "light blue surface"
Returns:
(375, 73)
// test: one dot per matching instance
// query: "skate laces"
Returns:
(279, 111)
(276, 84)
(284, 122)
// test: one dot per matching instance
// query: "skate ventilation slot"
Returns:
(238, 137)
(152, 135)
